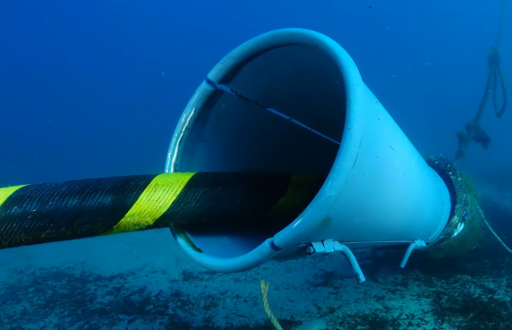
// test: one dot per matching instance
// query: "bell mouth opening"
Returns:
(279, 114)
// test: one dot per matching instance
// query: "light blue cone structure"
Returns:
(379, 190)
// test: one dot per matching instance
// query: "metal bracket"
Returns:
(416, 244)
(330, 246)
(461, 224)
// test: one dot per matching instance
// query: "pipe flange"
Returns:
(464, 230)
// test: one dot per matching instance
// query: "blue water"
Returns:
(95, 89)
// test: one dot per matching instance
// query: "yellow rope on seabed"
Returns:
(264, 292)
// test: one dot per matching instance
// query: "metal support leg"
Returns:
(330, 246)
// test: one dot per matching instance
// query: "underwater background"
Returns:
(95, 89)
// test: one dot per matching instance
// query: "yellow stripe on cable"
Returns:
(158, 196)
(8, 191)
(298, 192)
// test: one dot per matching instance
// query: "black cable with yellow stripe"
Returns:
(48, 212)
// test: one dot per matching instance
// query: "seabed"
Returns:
(143, 281)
